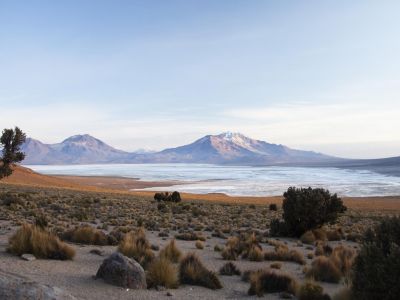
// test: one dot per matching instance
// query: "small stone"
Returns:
(286, 295)
(169, 294)
(97, 252)
(28, 257)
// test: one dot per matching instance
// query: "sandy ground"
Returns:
(76, 276)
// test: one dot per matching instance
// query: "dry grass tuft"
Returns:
(311, 291)
(199, 245)
(192, 271)
(282, 253)
(229, 269)
(136, 245)
(324, 269)
(334, 267)
(255, 254)
(308, 237)
(268, 281)
(171, 252)
(162, 272)
(86, 235)
(320, 234)
(229, 253)
(276, 265)
(335, 234)
(343, 258)
(42, 244)
(247, 246)
(323, 248)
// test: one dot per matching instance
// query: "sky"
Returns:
(313, 75)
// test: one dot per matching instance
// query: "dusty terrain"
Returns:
(67, 203)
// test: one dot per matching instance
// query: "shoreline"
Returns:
(123, 185)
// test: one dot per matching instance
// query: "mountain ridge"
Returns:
(224, 148)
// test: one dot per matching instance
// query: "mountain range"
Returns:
(226, 148)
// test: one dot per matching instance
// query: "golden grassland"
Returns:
(27, 177)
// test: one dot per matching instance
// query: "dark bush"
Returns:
(273, 207)
(377, 266)
(306, 209)
(278, 228)
(174, 197)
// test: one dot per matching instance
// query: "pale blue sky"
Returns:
(320, 75)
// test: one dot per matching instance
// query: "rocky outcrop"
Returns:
(15, 287)
(120, 270)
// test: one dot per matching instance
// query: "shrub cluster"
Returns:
(306, 209)
(377, 266)
(248, 247)
(174, 197)
(282, 253)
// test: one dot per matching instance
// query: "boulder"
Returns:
(16, 287)
(122, 271)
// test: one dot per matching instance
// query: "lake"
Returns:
(241, 180)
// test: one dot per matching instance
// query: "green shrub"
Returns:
(278, 228)
(273, 207)
(377, 266)
(306, 209)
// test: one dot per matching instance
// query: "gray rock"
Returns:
(120, 270)
(15, 287)
(28, 257)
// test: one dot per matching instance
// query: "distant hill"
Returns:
(225, 148)
(77, 149)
